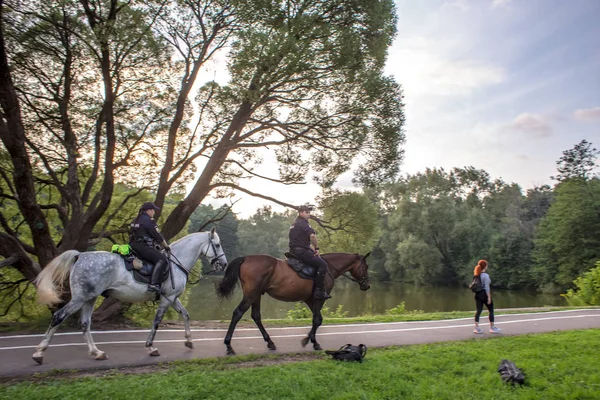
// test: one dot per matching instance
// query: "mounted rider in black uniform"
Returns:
(144, 238)
(303, 245)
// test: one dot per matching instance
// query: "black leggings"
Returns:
(480, 301)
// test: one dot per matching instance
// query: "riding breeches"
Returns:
(308, 257)
(148, 253)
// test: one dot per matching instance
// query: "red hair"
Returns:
(479, 267)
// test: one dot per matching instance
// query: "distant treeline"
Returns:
(431, 228)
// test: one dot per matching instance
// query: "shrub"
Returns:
(398, 310)
(300, 311)
(587, 291)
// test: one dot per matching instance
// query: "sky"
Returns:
(500, 85)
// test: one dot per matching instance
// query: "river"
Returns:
(203, 303)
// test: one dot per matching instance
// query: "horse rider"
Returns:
(303, 245)
(144, 238)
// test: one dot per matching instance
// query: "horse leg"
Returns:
(160, 313)
(261, 328)
(238, 313)
(317, 320)
(57, 319)
(186, 320)
(86, 324)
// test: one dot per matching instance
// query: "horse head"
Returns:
(360, 271)
(215, 251)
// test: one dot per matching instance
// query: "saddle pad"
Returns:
(304, 271)
(144, 274)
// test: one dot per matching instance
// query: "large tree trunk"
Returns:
(179, 216)
(12, 133)
(109, 311)
(15, 256)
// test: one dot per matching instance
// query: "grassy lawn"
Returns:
(560, 365)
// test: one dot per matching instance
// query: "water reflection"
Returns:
(203, 303)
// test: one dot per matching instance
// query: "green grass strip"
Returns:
(559, 365)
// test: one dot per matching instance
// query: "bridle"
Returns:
(363, 280)
(214, 249)
(212, 262)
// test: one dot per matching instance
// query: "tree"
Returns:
(306, 85)
(577, 163)
(96, 93)
(265, 232)
(439, 223)
(351, 221)
(567, 242)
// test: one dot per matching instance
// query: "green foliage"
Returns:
(577, 163)
(587, 291)
(400, 309)
(265, 232)
(18, 298)
(567, 243)
(437, 224)
(355, 219)
(300, 311)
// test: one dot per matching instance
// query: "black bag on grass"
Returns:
(510, 373)
(349, 353)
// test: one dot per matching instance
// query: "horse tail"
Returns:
(50, 281)
(227, 285)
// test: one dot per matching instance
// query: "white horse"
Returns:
(96, 272)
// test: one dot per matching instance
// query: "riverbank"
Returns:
(555, 367)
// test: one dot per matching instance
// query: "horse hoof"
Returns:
(38, 358)
(304, 342)
(189, 345)
(153, 352)
(317, 346)
(271, 346)
(101, 356)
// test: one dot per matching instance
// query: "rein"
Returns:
(186, 272)
(344, 274)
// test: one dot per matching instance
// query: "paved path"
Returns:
(126, 348)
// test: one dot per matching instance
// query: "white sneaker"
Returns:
(495, 329)
(477, 331)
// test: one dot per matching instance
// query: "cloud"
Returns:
(534, 124)
(587, 114)
(500, 3)
(424, 70)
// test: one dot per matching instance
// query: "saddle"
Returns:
(304, 271)
(141, 269)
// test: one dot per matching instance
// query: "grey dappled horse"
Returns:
(92, 273)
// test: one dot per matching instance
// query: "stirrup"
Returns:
(154, 288)
(321, 295)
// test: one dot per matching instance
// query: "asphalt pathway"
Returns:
(125, 348)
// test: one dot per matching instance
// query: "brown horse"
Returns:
(260, 274)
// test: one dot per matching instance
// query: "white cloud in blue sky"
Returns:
(502, 85)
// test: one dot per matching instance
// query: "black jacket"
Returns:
(144, 229)
(300, 233)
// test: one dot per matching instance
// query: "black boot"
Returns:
(320, 293)
(157, 272)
